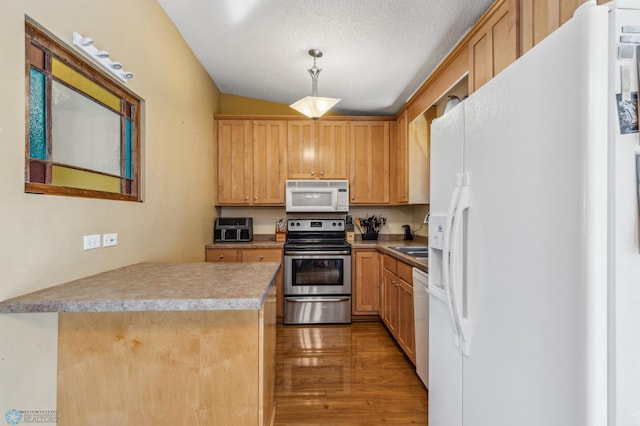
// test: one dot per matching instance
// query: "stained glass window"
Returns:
(37, 116)
(82, 130)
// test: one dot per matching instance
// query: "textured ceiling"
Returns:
(376, 52)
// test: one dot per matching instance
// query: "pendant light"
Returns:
(314, 106)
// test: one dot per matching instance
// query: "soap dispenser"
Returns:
(407, 232)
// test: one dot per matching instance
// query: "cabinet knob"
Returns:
(261, 257)
(222, 256)
(321, 173)
(313, 174)
(353, 198)
(255, 198)
(246, 198)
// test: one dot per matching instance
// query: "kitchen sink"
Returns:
(415, 251)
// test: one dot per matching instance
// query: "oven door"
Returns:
(311, 199)
(317, 273)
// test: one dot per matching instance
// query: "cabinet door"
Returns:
(234, 162)
(269, 162)
(221, 255)
(406, 327)
(261, 255)
(366, 282)
(494, 46)
(390, 301)
(369, 158)
(405, 272)
(390, 263)
(399, 164)
(331, 150)
(540, 18)
(301, 150)
(269, 255)
(420, 168)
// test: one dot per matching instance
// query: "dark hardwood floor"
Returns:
(345, 375)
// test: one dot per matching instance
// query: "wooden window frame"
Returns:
(130, 109)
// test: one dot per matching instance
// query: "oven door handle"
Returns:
(316, 299)
(317, 253)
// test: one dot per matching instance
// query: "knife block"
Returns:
(349, 233)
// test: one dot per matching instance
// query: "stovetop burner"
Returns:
(316, 235)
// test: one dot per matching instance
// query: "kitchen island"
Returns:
(155, 343)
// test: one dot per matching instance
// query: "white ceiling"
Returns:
(377, 53)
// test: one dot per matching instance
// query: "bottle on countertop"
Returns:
(408, 235)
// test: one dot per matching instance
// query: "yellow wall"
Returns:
(240, 105)
(41, 236)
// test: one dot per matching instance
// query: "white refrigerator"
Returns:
(534, 264)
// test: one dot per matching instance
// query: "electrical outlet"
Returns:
(109, 240)
(91, 241)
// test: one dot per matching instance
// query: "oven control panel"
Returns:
(317, 225)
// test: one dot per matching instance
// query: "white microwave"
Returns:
(316, 196)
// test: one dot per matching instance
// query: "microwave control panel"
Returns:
(343, 200)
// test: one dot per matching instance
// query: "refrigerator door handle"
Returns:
(446, 258)
(457, 283)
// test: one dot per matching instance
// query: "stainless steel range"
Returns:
(317, 272)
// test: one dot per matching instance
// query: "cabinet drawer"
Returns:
(261, 255)
(405, 272)
(222, 255)
(390, 263)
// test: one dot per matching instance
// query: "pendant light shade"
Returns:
(314, 106)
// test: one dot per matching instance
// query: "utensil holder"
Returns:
(370, 235)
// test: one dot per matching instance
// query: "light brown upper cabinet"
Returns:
(495, 43)
(410, 164)
(269, 162)
(234, 162)
(369, 173)
(317, 150)
(539, 18)
(252, 162)
(399, 161)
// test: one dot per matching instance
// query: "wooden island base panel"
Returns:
(213, 365)
(166, 368)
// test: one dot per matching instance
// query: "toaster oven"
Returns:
(233, 229)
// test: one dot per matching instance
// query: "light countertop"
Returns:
(156, 287)
(383, 245)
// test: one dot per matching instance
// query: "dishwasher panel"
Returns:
(421, 316)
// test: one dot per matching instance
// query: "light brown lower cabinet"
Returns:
(253, 255)
(397, 303)
(167, 367)
(366, 278)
